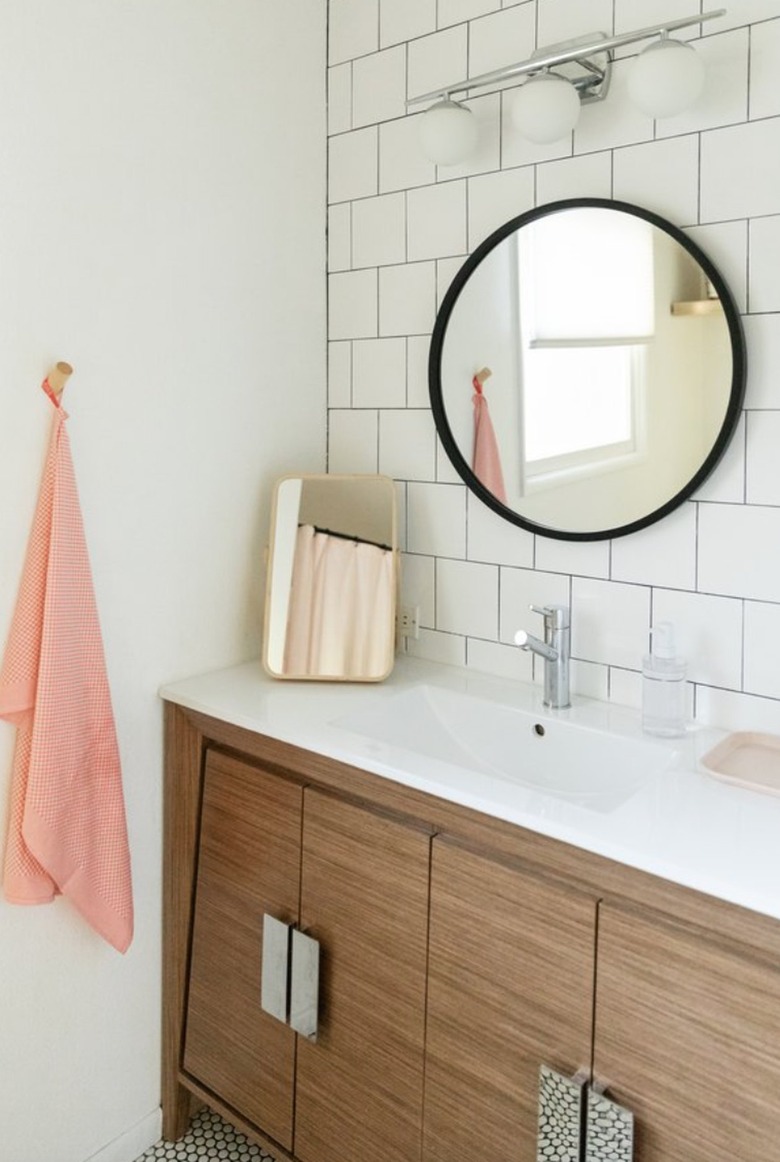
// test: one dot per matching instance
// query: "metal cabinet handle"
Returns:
(290, 975)
(561, 1114)
(609, 1129)
(304, 985)
(274, 990)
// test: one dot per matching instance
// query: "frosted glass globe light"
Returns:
(448, 132)
(545, 108)
(666, 78)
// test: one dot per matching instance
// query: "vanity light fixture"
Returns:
(665, 79)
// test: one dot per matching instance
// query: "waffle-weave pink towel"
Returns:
(67, 832)
(486, 459)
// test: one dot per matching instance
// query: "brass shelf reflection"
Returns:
(698, 307)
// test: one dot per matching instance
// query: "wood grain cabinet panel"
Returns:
(687, 1035)
(357, 882)
(248, 864)
(365, 898)
(510, 987)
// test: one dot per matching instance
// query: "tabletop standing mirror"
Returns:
(331, 588)
(587, 369)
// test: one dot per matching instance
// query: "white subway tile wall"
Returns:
(437, 220)
(435, 60)
(353, 304)
(662, 176)
(379, 373)
(664, 555)
(379, 230)
(405, 20)
(353, 28)
(467, 598)
(727, 485)
(763, 339)
(353, 440)
(488, 39)
(379, 86)
(400, 228)
(494, 198)
(340, 375)
(764, 253)
(340, 98)
(407, 444)
(340, 236)
(764, 89)
(487, 539)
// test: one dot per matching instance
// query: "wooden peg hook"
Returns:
(482, 375)
(58, 377)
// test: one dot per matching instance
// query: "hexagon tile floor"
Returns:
(209, 1139)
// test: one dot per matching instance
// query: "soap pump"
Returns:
(663, 685)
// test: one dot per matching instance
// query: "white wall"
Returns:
(399, 230)
(162, 172)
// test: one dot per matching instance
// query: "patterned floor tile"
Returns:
(209, 1139)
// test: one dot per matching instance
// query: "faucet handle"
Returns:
(555, 616)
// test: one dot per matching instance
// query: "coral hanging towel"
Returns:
(486, 460)
(67, 832)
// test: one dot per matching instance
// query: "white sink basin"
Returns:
(593, 768)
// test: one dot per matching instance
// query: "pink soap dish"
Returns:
(747, 759)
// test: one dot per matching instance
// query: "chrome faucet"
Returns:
(555, 651)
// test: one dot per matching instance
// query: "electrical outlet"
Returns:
(409, 621)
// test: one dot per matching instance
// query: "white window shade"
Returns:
(587, 276)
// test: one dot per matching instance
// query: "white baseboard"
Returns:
(130, 1145)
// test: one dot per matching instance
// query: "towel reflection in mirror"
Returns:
(486, 459)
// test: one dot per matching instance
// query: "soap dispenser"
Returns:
(663, 685)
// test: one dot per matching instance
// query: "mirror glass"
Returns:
(587, 369)
(331, 587)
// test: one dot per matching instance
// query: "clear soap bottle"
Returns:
(663, 685)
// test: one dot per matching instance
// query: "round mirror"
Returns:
(587, 369)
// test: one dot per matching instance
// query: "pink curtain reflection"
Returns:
(340, 622)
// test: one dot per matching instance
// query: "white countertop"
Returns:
(682, 824)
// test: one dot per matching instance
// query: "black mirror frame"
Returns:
(736, 395)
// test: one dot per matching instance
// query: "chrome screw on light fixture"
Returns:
(664, 80)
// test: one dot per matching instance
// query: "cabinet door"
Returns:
(248, 864)
(364, 896)
(688, 1037)
(510, 988)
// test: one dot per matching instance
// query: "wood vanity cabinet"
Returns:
(687, 1036)
(355, 880)
(679, 1023)
(511, 971)
(459, 953)
(248, 865)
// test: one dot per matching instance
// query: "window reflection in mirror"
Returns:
(332, 578)
(617, 365)
(582, 343)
